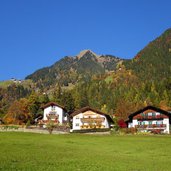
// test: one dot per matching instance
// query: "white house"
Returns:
(90, 119)
(53, 111)
(150, 119)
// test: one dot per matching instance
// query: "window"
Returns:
(77, 117)
(143, 123)
(53, 108)
(139, 123)
(159, 122)
(77, 124)
(153, 114)
(150, 122)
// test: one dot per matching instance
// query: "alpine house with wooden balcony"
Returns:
(150, 119)
(87, 119)
(53, 111)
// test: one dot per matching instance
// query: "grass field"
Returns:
(75, 152)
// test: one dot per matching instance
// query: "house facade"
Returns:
(150, 119)
(88, 118)
(53, 111)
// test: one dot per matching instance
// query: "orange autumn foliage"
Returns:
(18, 113)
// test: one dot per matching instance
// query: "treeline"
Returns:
(9, 95)
(119, 94)
(153, 62)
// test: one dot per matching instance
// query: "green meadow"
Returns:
(80, 152)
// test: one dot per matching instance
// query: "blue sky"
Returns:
(37, 33)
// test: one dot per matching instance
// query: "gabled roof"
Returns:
(148, 108)
(84, 109)
(52, 104)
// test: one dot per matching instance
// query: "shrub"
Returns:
(143, 133)
(50, 125)
(128, 130)
(122, 123)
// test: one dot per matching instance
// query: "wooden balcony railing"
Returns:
(92, 120)
(92, 126)
(146, 117)
(52, 115)
(159, 126)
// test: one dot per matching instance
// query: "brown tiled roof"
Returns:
(84, 109)
(52, 104)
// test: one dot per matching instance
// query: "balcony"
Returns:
(92, 120)
(146, 117)
(152, 126)
(52, 115)
(92, 126)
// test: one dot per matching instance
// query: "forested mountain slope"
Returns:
(154, 61)
(72, 69)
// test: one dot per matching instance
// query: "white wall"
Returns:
(134, 122)
(77, 121)
(166, 121)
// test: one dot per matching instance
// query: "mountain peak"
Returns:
(86, 51)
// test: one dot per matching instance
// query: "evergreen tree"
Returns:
(68, 101)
